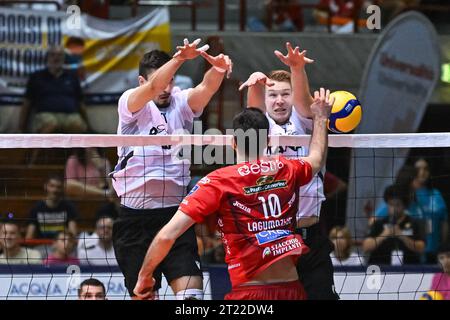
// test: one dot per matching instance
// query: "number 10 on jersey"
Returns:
(272, 206)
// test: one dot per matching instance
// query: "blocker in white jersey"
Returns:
(287, 99)
(150, 180)
(149, 177)
(313, 193)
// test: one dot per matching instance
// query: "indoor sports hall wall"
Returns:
(341, 70)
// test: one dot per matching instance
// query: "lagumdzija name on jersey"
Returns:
(268, 225)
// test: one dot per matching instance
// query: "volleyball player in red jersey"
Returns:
(256, 202)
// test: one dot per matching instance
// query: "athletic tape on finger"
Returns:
(204, 48)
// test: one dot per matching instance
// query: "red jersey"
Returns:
(256, 203)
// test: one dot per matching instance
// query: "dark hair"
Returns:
(67, 235)
(103, 216)
(444, 247)
(428, 183)
(75, 41)
(80, 154)
(91, 282)
(250, 125)
(9, 219)
(154, 59)
(397, 192)
(54, 176)
(405, 178)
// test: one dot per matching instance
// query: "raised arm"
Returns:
(158, 250)
(161, 78)
(301, 95)
(318, 146)
(200, 96)
(256, 85)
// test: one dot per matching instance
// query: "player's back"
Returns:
(256, 203)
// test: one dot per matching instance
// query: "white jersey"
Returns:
(312, 194)
(150, 177)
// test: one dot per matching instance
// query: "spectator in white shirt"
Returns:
(97, 249)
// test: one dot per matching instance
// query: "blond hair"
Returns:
(280, 76)
(346, 235)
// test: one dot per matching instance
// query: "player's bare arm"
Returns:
(161, 78)
(158, 250)
(301, 94)
(200, 96)
(320, 109)
(256, 85)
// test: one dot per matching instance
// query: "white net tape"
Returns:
(406, 140)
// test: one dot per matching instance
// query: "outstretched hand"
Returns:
(257, 78)
(221, 62)
(189, 50)
(321, 107)
(294, 58)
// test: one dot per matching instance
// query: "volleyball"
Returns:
(432, 295)
(346, 112)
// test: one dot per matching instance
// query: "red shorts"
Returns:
(292, 290)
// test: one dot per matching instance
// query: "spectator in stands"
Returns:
(53, 214)
(92, 289)
(441, 281)
(63, 248)
(433, 209)
(342, 14)
(13, 252)
(397, 239)
(287, 15)
(343, 254)
(73, 60)
(405, 179)
(87, 175)
(97, 249)
(55, 95)
(426, 205)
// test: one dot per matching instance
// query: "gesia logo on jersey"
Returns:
(262, 167)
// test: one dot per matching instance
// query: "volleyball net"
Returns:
(40, 259)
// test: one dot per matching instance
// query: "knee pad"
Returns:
(190, 294)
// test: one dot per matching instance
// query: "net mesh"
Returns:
(39, 262)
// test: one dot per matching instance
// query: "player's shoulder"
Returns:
(124, 96)
(128, 92)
